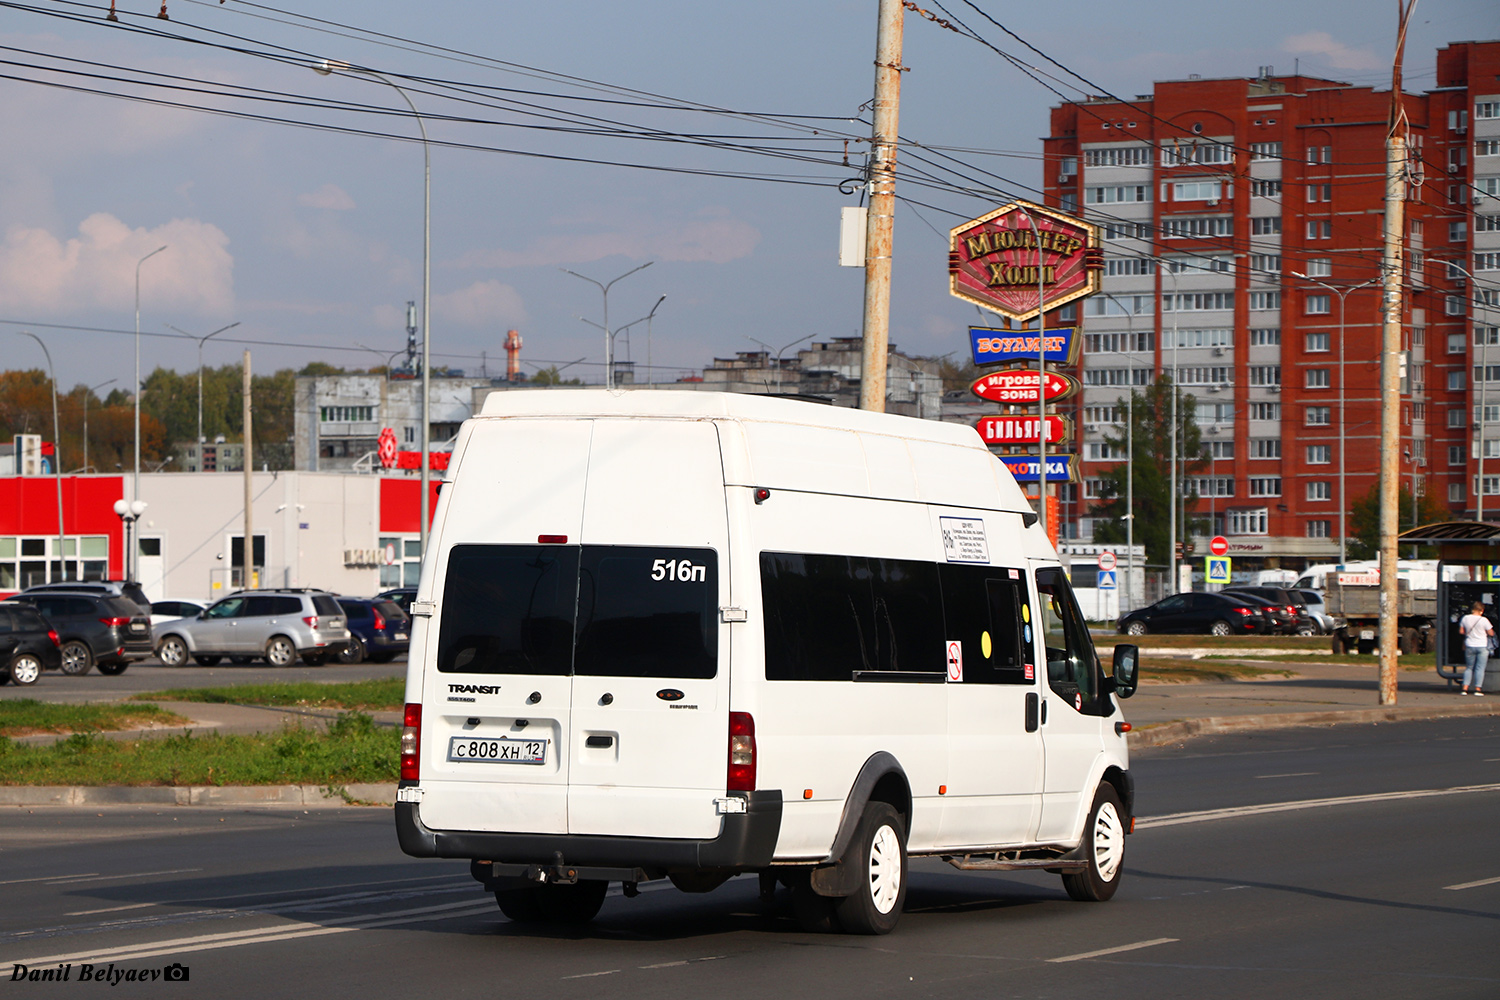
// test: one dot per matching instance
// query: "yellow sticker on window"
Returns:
(1026, 612)
(984, 645)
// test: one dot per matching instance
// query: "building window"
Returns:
(1120, 305)
(1265, 151)
(1485, 335)
(1102, 414)
(1265, 189)
(1206, 375)
(1196, 190)
(1211, 486)
(1318, 305)
(1319, 416)
(1320, 267)
(1265, 486)
(1455, 343)
(1319, 491)
(1319, 230)
(1319, 454)
(1118, 194)
(1219, 449)
(1114, 343)
(1486, 109)
(1458, 232)
(1182, 154)
(1265, 336)
(1456, 493)
(1265, 411)
(1456, 418)
(1319, 154)
(1199, 302)
(1222, 336)
(1455, 454)
(1486, 224)
(1214, 413)
(1491, 485)
(1247, 522)
(1317, 342)
(1197, 226)
(1455, 381)
(1317, 378)
(1265, 447)
(1117, 376)
(1127, 230)
(1266, 263)
(1121, 156)
(1102, 451)
(1487, 147)
(1490, 415)
(1265, 374)
(1265, 301)
(345, 414)
(1318, 529)
(1269, 225)
(1115, 267)
(1201, 264)
(1487, 262)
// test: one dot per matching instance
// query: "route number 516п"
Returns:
(682, 571)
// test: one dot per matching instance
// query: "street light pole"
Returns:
(1129, 456)
(87, 393)
(324, 68)
(136, 391)
(1343, 417)
(62, 564)
(201, 341)
(767, 346)
(609, 339)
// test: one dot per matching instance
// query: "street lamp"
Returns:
(56, 456)
(87, 393)
(129, 511)
(198, 444)
(1344, 417)
(136, 391)
(325, 68)
(779, 352)
(389, 357)
(609, 339)
(1129, 455)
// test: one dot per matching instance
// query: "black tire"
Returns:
(1136, 628)
(1104, 846)
(172, 651)
(879, 848)
(1306, 630)
(354, 652)
(240, 661)
(1406, 641)
(280, 652)
(24, 669)
(207, 661)
(1340, 646)
(571, 904)
(1221, 627)
(520, 905)
(314, 659)
(113, 669)
(77, 658)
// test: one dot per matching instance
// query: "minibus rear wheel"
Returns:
(879, 849)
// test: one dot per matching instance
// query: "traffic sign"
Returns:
(1106, 579)
(1216, 569)
(1106, 560)
(1000, 347)
(1024, 429)
(1218, 545)
(1018, 385)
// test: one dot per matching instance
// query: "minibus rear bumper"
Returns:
(746, 840)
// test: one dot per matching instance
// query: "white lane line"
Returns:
(664, 965)
(1474, 885)
(260, 935)
(74, 880)
(45, 878)
(1207, 815)
(1292, 774)
(110, 909)
(591, 975)
(1113, 951)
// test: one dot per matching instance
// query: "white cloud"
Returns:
(712, 236)
(1338, 55)
(482, 304)
(41, 273)
(329, 196)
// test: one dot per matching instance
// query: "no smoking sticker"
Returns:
(955, 654)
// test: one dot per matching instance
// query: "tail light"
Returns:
(311, 621)
(1291, 611)
(741, 752)
(116, 622)
(1244, 611)
(379, 622)
(52, 634)
(411, 743)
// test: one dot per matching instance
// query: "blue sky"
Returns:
(313, 239)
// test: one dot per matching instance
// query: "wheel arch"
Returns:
(186, 639)
(881, 779)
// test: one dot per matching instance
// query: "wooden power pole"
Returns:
(880, 225)
(247, 559)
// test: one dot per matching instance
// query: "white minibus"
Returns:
(690, 635)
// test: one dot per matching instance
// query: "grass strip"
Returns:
(1408, 661)
(1175, 670)
(352, 750)
(386, 694)
(27, 716)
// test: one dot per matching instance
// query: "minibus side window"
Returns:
(508, 609)
(648, 612)
(982, 609)
(1072, 667)
(908, 616)
(818, 611)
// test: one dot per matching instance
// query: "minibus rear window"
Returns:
(647, 612)
(508, 609)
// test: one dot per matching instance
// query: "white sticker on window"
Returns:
(964, 540)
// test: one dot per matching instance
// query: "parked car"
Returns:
(1214, 614)
(1292, 600)
(175, 608)
(28, 644)
(1281, 618)
(94, 629)
(1317, 609)
(402, 596)
(279, 625)
(378, 630)
(118, 588)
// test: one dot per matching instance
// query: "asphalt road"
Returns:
(152, 676)
(1395, 894)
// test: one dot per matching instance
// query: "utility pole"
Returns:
(880, 224)
(1390, 356)
(247, 561)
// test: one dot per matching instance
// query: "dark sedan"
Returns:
(378, 630)
(1291, 601)
(1213, 614)
(96, 629)
(28, 645)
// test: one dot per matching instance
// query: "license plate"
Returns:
(137, 627)
(1368, 633)
(400, 635)
(497, 750)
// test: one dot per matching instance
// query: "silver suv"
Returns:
(278, 625)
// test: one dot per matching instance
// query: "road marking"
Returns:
(1207, 815)
(664, 965)
(1113, 951)
(110, 909)
(1474, 885)
(590, 975)
(74, 880)
(1292, 774)
(45, 878)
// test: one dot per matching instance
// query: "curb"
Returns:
(305, 796)
(1171, 732)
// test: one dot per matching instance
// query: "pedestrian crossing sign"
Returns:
(1107, 579)
(1492, 574)
(1216, 569)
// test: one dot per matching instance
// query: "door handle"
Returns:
(1033, 711)
(599, 742)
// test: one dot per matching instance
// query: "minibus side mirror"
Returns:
(1127, 660)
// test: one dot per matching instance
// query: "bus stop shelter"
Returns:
(1468, 551)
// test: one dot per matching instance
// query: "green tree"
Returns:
(1151, 438)
(1364, 521)
(551, 376)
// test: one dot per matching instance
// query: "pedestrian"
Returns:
(1478, 634)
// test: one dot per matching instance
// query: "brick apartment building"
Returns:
(1210, 195)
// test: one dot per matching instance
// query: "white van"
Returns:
(689, 635)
